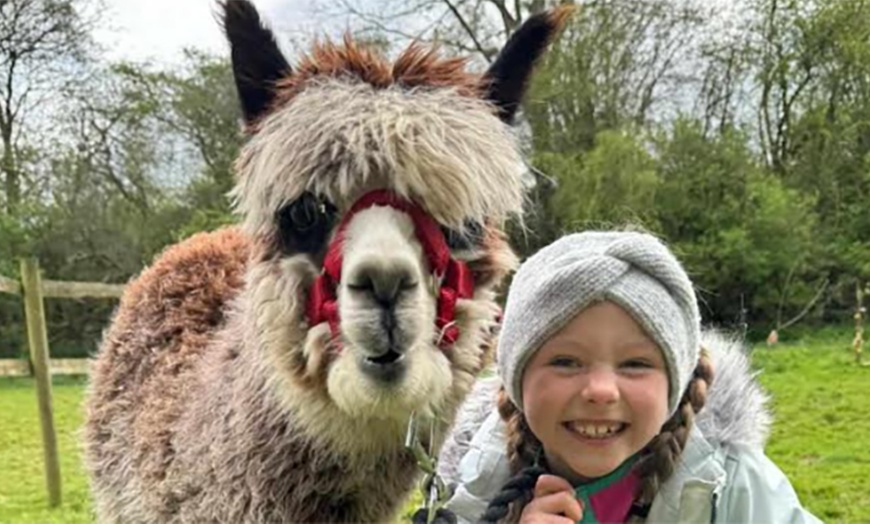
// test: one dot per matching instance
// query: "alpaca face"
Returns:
(386, 297)
(296, 186)
(390, 362)
(344, 123)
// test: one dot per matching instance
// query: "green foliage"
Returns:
(748, 150)
(614, 183)
(746, 238)
(601, 74)
(148, 162)
(13, 239)
(17, 238)
(204, 220)
(833, 162)
(12, 335)
(814, 122)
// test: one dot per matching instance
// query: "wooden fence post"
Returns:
(860, 312)
(38, 343)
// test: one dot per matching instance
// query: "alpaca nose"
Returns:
(384, 284)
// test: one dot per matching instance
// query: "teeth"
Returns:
(597, 430)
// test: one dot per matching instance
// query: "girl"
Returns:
(602, 382)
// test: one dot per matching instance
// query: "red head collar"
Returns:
(456, 279)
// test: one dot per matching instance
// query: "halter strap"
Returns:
(457, 281)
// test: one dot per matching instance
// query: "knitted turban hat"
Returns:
(634, 270)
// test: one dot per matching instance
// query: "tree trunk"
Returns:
(11, 179)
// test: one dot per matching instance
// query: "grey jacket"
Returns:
(723, 475)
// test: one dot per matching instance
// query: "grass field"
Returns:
(22, 482)
(821, 437)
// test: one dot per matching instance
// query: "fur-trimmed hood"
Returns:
(736, 411)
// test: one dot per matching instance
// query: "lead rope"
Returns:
(435, 492)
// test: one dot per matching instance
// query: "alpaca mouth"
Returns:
(388, 367)
(389, 357)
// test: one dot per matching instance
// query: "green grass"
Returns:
(23, 496)
(820, 439)
(821, 435)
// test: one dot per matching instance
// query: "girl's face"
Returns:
(595, 393)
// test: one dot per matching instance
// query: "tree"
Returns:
(787, 67)
(165, 134)
(139, 158)
(749, 240)
(477, 28)
(619, 63)
(818, 140)
(196, 109)
(613, 184)
(43, 43)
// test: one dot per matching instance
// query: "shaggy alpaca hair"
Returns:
(214, 396)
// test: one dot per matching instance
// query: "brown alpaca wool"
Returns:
(213, 398)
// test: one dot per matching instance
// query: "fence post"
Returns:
(38, 343)
(860, 311)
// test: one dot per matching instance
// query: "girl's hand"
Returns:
(554, 503)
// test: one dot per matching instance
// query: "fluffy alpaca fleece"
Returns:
(189, 422)
(212, 399)
(435, 144)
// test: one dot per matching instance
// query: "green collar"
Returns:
(585, 492)
(594, 486)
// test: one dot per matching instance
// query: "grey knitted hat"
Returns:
(634, 270)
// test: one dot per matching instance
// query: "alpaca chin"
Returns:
(422, 387)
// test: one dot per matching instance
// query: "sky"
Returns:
(158, 30)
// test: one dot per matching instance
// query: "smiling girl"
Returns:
(601, 377)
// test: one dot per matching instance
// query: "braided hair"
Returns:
(657, 463)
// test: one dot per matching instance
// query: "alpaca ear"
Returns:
(507, 78)
(257, 61)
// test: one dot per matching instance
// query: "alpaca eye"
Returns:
(304, 224)
(305, 213)
(471, 236)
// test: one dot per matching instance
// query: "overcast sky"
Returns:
(159, 29)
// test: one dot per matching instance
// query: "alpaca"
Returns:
(268, 372)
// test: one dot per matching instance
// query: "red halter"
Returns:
(456, 279)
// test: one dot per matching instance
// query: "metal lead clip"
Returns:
(434, 491)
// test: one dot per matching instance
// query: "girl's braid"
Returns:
(523, 447)
(523, 451)
(663, 452)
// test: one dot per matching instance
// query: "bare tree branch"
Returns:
(33, 34)
(487, 54)
(376, 22)
(806, 308)
(510, 22)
